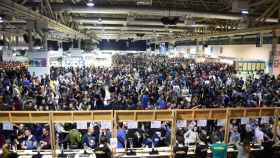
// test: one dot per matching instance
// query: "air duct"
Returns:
(149, 12)
(112, 21)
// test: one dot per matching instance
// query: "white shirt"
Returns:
(259, 135)
(191, 137)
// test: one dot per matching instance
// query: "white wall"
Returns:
(245, 52)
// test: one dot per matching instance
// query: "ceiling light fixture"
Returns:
(99, 20)
(244, 12)
(90, 3)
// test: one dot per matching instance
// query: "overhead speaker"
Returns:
(140, 34)
(170, 20)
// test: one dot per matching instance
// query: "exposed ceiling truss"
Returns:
(129, 18)
(18, 16)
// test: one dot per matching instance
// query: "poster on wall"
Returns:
(38, 62)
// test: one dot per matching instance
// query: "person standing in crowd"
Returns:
(234, 136)
(150, 82)
(89, 140)
(29, 141)
(243, 150)
(180, 150)
(191, 136)
(74, 137)
(259, 135)
(121, 136)
(45, 142)
(103, 150)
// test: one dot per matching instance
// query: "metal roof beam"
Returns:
(28, 14)
(256, 30)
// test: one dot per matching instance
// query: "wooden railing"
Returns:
(52, 117)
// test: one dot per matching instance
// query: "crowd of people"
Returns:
(26, 137)
(144, 136)
(36, 137)
(70, 136)
(137, 82)
(244, 136)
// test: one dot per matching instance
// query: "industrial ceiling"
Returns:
(141, 19)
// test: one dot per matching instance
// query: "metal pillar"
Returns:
(45, 41)
(73, 43)
(30, 28)
(79, 43)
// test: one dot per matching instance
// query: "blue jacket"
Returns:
(90, 141)
(30, 143)
(121, 138)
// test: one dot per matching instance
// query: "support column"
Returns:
(197, 47)
(30, 41)
(275, 54)
(45, 41)
(79, 43)
(73, 43)
(173, 132)
(227, 127)
(5, 40)
(30, 27)
(275, 124)
(52, 135)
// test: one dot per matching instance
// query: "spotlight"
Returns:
(90, 3)
(244, 12)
